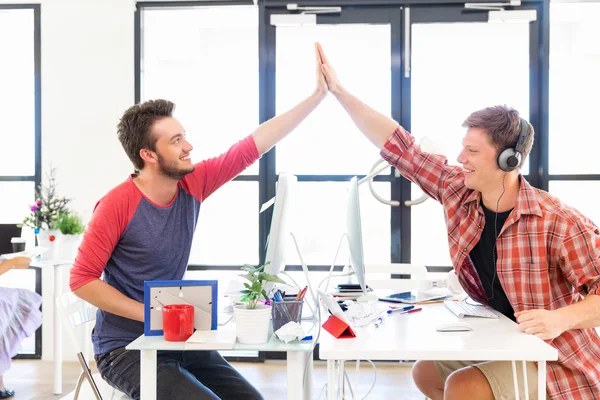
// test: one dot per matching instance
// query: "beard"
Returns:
(171, 170)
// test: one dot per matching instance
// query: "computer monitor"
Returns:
(280, 224)
(354, 234)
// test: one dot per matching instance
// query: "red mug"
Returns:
(178, 322)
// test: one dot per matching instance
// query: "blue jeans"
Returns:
(180, 375)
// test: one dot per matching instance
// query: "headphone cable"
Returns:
(494, 259)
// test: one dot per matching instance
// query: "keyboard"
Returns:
(462, 309)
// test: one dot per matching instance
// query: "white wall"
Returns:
(87, 83)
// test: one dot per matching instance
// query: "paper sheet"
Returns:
(36, 251)
(214, 340)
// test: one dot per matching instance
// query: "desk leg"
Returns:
(148, 374)
(541, 380)
(331, 379)
(515, 381)
(299, 385)
(341, 380)
(57, 332)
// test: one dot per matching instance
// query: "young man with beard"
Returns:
(143, 229)
(514, 247)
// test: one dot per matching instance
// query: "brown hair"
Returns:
(134, 129)
(503, 126)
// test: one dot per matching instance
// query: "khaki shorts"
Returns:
(499, 375)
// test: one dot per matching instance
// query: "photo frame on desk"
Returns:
(202, 295)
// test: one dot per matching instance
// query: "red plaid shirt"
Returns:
(548, 256)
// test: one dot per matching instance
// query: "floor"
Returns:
(32, 379)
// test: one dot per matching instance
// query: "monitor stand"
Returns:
(313, 300)
(365, 297)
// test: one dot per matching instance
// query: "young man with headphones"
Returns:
(513, 247)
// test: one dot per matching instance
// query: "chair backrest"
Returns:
(75, 314)
(7, 232)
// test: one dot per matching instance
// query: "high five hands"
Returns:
(325, 69)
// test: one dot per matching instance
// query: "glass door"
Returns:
(457, 61)
(327, 149)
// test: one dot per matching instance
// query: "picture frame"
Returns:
(202, 294)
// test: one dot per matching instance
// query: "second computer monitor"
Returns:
(354, 234)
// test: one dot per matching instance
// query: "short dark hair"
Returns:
(503, 126)
(135, 127)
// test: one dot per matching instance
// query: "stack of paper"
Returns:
(213, 340)
(36, 251)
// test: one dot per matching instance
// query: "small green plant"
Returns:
(70, 223)
(255, 289)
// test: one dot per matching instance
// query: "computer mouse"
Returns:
(455, 326)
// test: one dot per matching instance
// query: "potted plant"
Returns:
(70, 226)
(253, 316)
(50, 218)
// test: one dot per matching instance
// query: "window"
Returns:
(328, 144)
(574, 87)
(205, 60)
(20, 100)
(458, 68)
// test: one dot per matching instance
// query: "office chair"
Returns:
(7, 232)
(76, 314)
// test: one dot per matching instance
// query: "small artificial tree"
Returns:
(255, 289)
(47, 207)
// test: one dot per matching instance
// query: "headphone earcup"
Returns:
(508, 159)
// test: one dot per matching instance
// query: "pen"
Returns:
(410, 311)
(407, 308)
(301, 294)
(378, 322)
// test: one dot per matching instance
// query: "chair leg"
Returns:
(88, 375)
(78, 387)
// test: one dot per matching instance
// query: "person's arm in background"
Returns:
(14, 263)
(269, 133)
(375, 126)
(109, 221)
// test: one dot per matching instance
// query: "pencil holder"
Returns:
(283, 312)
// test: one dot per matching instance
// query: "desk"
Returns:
(57, 265)
(414, 337)
(298, 359)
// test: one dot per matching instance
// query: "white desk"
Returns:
(414, 337)
(57, 264)
(299, 359)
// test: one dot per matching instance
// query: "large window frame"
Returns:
(36, 178)
(366, 10)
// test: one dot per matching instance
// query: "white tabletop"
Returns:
(414, 337)
(274, 344)
(40, 263)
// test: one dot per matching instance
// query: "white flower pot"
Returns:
(47, 238)
(66, 246)
(252, 326)
(59, 246)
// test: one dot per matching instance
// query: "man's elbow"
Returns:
(81, 290)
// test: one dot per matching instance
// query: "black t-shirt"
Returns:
(484, 259)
